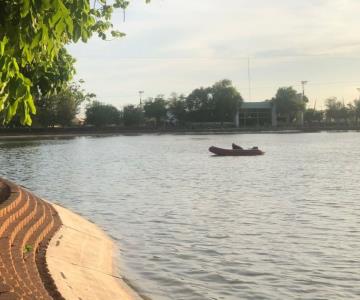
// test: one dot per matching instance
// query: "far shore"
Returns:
(49, 133)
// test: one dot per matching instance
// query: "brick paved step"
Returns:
(9, 256)
(12, 213)
(18, 247)
(8, 223)
(34, 240)
(26, 225)
(14, 196)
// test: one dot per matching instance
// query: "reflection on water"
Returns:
(18, 144)
(280, 226)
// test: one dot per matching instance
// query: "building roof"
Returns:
(256, 105)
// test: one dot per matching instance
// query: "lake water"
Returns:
(285, 225)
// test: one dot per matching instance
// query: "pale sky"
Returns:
(179, 45)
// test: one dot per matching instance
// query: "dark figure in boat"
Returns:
(237, 147)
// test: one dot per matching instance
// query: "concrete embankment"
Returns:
(49, 252)
(80, 258)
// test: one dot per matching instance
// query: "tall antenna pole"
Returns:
(301, 114)
(303, 83)
(140, 94)
(249, 78)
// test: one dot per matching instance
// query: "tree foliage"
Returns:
(354, 110)
(32, 33)
(100, 114)
(177, 107)
(156, 108)
(132, 115)
(289, 102)
(313, 116)
(335, 110)
(217, 103)
(62, 107)
(226, 100)
(200, 105)
(53, 77)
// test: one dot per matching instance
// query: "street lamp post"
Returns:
(303, 83)
(140, 95)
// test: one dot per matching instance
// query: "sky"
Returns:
(179, 45)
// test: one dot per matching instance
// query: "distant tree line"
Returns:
(289, 104)
(336, 112)
(217, 103)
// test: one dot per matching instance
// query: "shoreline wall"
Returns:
(81, 260)
(48, 252)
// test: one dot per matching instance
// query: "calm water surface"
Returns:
(191, 226)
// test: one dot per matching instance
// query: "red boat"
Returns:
(236, 152)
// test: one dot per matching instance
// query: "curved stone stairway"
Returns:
(27, 224)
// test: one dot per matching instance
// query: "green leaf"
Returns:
(2, 45)
(84, 36)
(3, 100)
(69, 24)
(15, 65)
(25, 8)
(45, 4)
(11, 110)
(3, 65)
(77, 33)
(13, 86)
(28, 120)
(55, 18)
(21, 91)
(45, 36)
(116, 33)
(27, 56)
(32, 107)
(60, 28)
(36, 39)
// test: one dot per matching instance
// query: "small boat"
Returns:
(236, 152)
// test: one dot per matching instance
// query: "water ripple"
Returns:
(281, 226)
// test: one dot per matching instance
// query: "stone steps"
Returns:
(26, 226)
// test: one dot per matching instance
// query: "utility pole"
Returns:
(303, 83)
(301, 119)
(140, 94)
